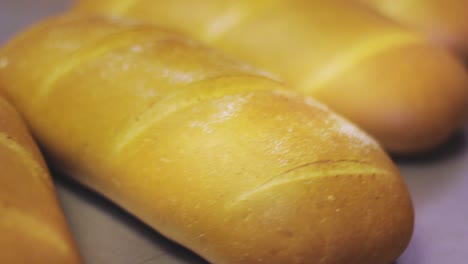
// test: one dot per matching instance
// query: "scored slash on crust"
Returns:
(35, 168)
(309, 171)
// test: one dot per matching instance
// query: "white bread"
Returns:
(391, 81)
(32, 226)
(204, 149)
(444, 22)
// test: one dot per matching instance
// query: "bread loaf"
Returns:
(206, 150)
(445, 22)
(390, 81)
(32, 227)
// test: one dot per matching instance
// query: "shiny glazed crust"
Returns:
(32, 227)
(405, 92)
(204, 149)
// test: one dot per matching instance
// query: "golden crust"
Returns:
(324, 49)
(31, 223)
(412, 119)
(204, 149)
(443, 21)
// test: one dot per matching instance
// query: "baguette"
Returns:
(32, 227)
(206, 150)
(390, 81)
(444, 22)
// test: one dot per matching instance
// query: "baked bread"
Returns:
(32, 227)
(390, 81)
(206, 150)
(444, 22)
